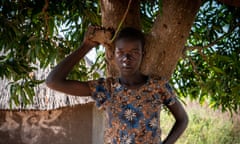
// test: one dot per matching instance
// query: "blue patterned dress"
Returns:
(132, 114)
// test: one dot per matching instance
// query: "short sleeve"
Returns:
(99, 91)
(169, 96)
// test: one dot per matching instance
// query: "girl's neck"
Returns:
(133, 81)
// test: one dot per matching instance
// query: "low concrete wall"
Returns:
(81, 124)
(98, 125)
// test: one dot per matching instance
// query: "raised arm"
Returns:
(181, 122)
(57, 78)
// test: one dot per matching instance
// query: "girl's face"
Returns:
(128, 56)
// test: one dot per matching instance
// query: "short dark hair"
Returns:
(132, 34)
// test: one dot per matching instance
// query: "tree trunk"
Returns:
(165, 43)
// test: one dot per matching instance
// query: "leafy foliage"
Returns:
(149, 11)
(41, 33)
(210, 70)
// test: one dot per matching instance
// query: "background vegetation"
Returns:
(40, 33)
(206, 126)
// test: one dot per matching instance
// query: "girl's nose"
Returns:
(126, 57)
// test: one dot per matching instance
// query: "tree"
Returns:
(205, 35)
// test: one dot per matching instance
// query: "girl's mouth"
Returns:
(126, 66)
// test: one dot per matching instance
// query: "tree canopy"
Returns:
(40, 33)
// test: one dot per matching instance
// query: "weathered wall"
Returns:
(98, 125)
(70, 125)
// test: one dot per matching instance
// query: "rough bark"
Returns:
(165, 43)
(113, 11)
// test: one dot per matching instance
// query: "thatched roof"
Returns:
(45, 98)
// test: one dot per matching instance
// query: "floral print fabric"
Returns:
(132, 114)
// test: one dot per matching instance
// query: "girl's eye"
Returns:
(119, 53)
(136, 52)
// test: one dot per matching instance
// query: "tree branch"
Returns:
(168, 36)
(194, 66)
(211, 43)
(46, 17)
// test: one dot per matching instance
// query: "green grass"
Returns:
(205, 127)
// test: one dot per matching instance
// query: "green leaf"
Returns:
(218, 70)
